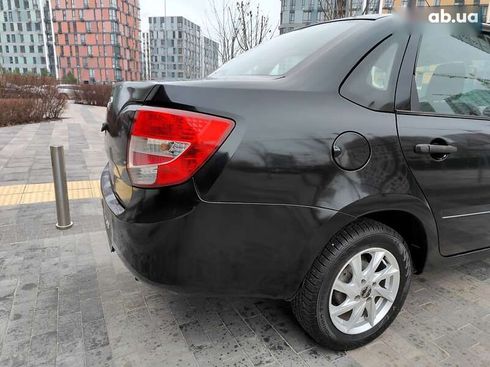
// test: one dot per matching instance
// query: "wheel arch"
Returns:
(408, 215)
(412, 231)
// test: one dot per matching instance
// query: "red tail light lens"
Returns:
(167, 146)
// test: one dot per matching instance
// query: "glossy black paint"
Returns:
(456, 185)
(255, 217)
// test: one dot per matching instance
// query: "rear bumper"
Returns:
(233, 249)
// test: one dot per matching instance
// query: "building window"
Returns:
(291, 17)
(307, 16)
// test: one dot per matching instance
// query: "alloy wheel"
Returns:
(364, 291)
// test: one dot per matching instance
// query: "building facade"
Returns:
(296, 14)
(178, 51)
(210, 56)
(146, 56)
(392, 5)
(97, 40)
(25, 36)
(175, 48)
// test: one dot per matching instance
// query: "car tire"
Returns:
(346, 277)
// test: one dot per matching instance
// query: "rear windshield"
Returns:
(281, 54)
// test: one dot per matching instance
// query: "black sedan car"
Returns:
(324, 167)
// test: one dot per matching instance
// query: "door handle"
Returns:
(435, 149)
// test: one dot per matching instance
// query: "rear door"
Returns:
(444, 132)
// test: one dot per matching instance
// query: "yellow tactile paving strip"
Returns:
(43, 193)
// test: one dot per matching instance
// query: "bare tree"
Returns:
(333, 9)
(239, 26)
(190, 68)
(253, 27)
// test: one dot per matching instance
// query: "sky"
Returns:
(199, 11)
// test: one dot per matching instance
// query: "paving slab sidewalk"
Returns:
(65, 300)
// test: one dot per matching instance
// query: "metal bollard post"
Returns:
(60, 187)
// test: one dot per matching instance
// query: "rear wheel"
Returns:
(356, 287)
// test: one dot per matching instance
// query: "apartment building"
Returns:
(392, 5)
(175, 47)
(178, 51)
(98, 41)
(146, 56)
(210, 56)
(296, 14)
(25, 36)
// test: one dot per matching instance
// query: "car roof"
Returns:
(371, 17)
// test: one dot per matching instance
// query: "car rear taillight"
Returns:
(167, 146)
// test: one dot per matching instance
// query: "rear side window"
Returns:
(452, 75)
(279, 55)
(372, 83)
